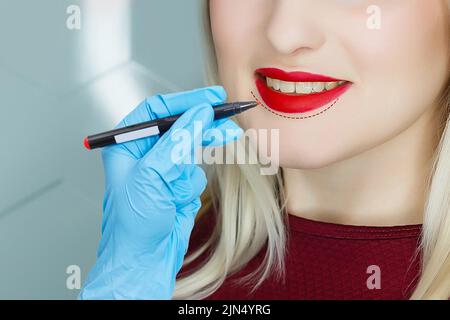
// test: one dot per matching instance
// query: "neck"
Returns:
(383, 186)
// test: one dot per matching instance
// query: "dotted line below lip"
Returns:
(291, 117)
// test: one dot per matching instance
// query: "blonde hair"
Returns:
(250, 210)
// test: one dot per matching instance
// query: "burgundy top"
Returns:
(329, 261)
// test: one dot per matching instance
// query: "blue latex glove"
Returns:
(150, 201)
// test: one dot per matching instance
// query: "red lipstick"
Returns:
(295, 102)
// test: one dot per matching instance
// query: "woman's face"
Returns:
(354, 73)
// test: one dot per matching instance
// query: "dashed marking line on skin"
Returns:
(288, 117)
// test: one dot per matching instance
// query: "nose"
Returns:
(294, 27)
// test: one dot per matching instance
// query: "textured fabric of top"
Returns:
(328, 261)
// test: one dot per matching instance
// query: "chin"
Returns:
(311, 159)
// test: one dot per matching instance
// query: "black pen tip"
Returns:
(243, 106)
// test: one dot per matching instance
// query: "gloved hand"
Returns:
(151, 200)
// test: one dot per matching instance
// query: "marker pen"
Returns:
(157, 126)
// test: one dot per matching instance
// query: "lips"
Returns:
(300, 100)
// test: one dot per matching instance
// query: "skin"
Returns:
(366, 160)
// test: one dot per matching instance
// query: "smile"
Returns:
(297, 92)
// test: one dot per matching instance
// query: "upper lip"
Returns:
(296, 76)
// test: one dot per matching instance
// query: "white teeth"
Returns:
(318, 86)
(302, 87)
(287, 87)
(331, 85)
(276, 84)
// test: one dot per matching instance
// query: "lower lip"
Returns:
(294, 103)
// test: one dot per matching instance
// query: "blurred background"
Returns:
(62, 78)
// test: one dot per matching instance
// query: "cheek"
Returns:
(405, 64)
(401, 68)
(237, 28)
(232, 28)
